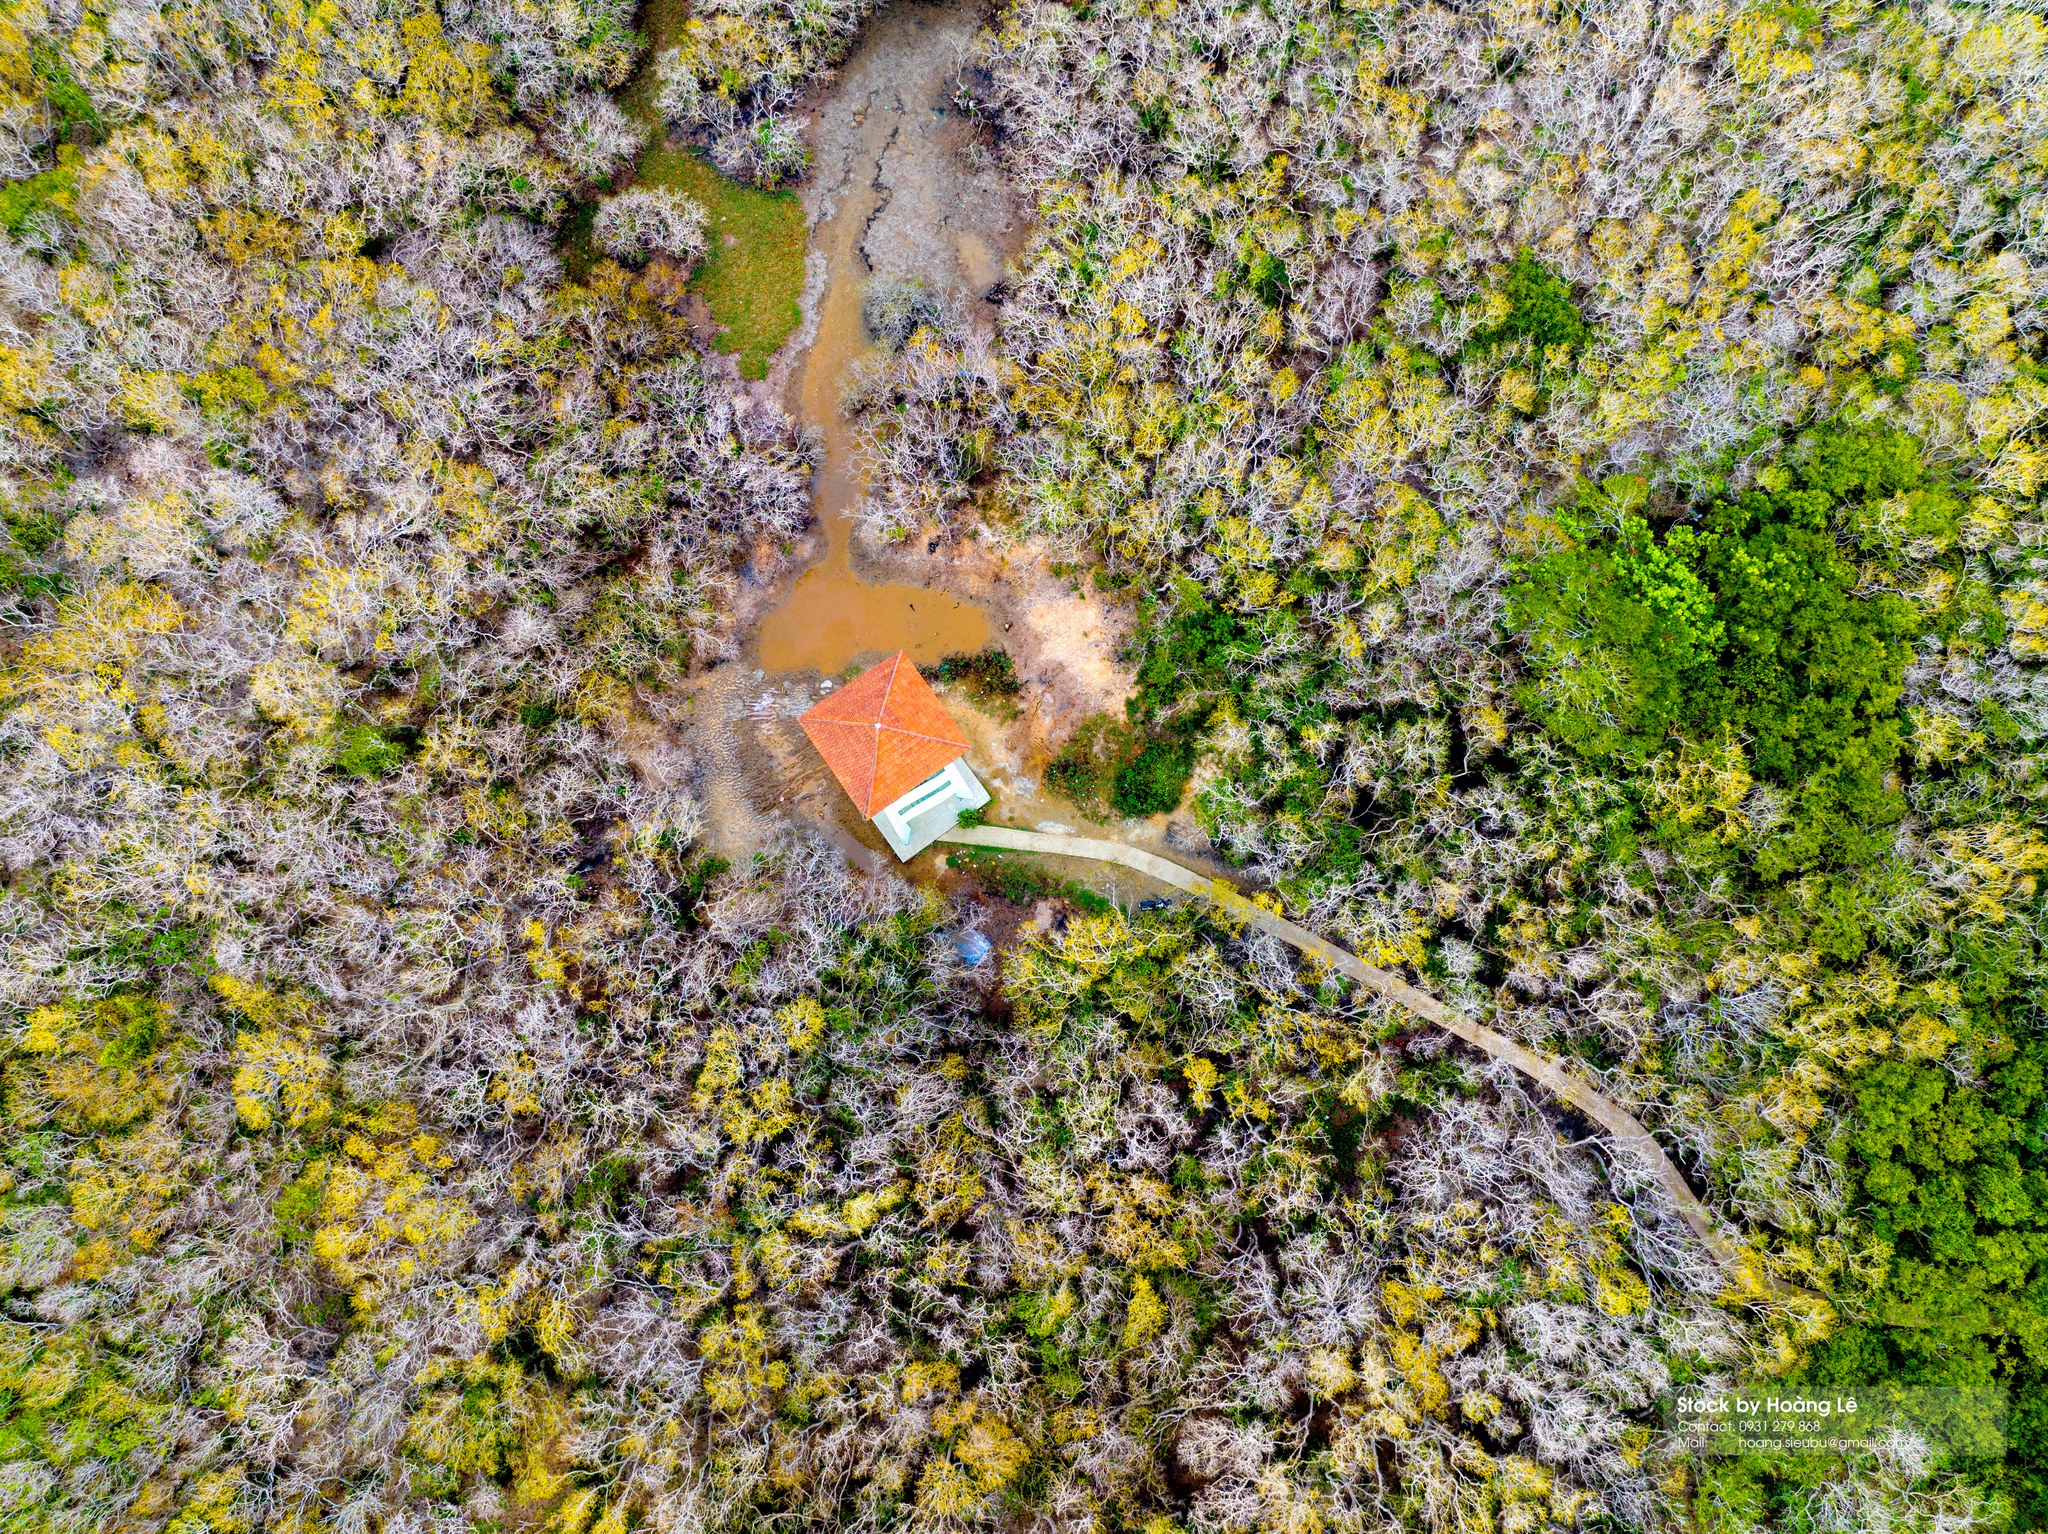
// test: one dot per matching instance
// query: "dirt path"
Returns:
(1626, 1131)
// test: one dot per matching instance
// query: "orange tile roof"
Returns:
(883, 733)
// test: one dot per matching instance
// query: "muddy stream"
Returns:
(893, 194)
(892, 202)
(900, 190)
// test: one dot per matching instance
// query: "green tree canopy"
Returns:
(1745, 618)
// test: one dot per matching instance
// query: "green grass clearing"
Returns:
(752, 276)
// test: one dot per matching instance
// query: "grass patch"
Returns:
(579, 252)
(364, 751)
(752, 277)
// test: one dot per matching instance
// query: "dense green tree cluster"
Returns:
(1539, 310)
(1749, 620)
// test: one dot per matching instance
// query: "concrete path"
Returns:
(1553, 1078)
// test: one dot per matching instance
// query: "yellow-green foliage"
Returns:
(90, 1067)
(489, 1422)
(279, 1070)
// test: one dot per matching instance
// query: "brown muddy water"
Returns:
(893, 195)
(833, 617)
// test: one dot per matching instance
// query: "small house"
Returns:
(897, 753)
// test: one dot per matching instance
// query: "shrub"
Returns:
(1540, 310)
(1086, 766)
(1021, 882)
(364, 751)
(1154, 782)
(1109, 767)
(649, 221)
(895, 308)
(988, 674)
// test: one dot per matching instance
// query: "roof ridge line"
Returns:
(944, 740)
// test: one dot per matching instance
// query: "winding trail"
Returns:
(1553, 1078)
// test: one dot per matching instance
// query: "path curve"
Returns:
(1553, 1078)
